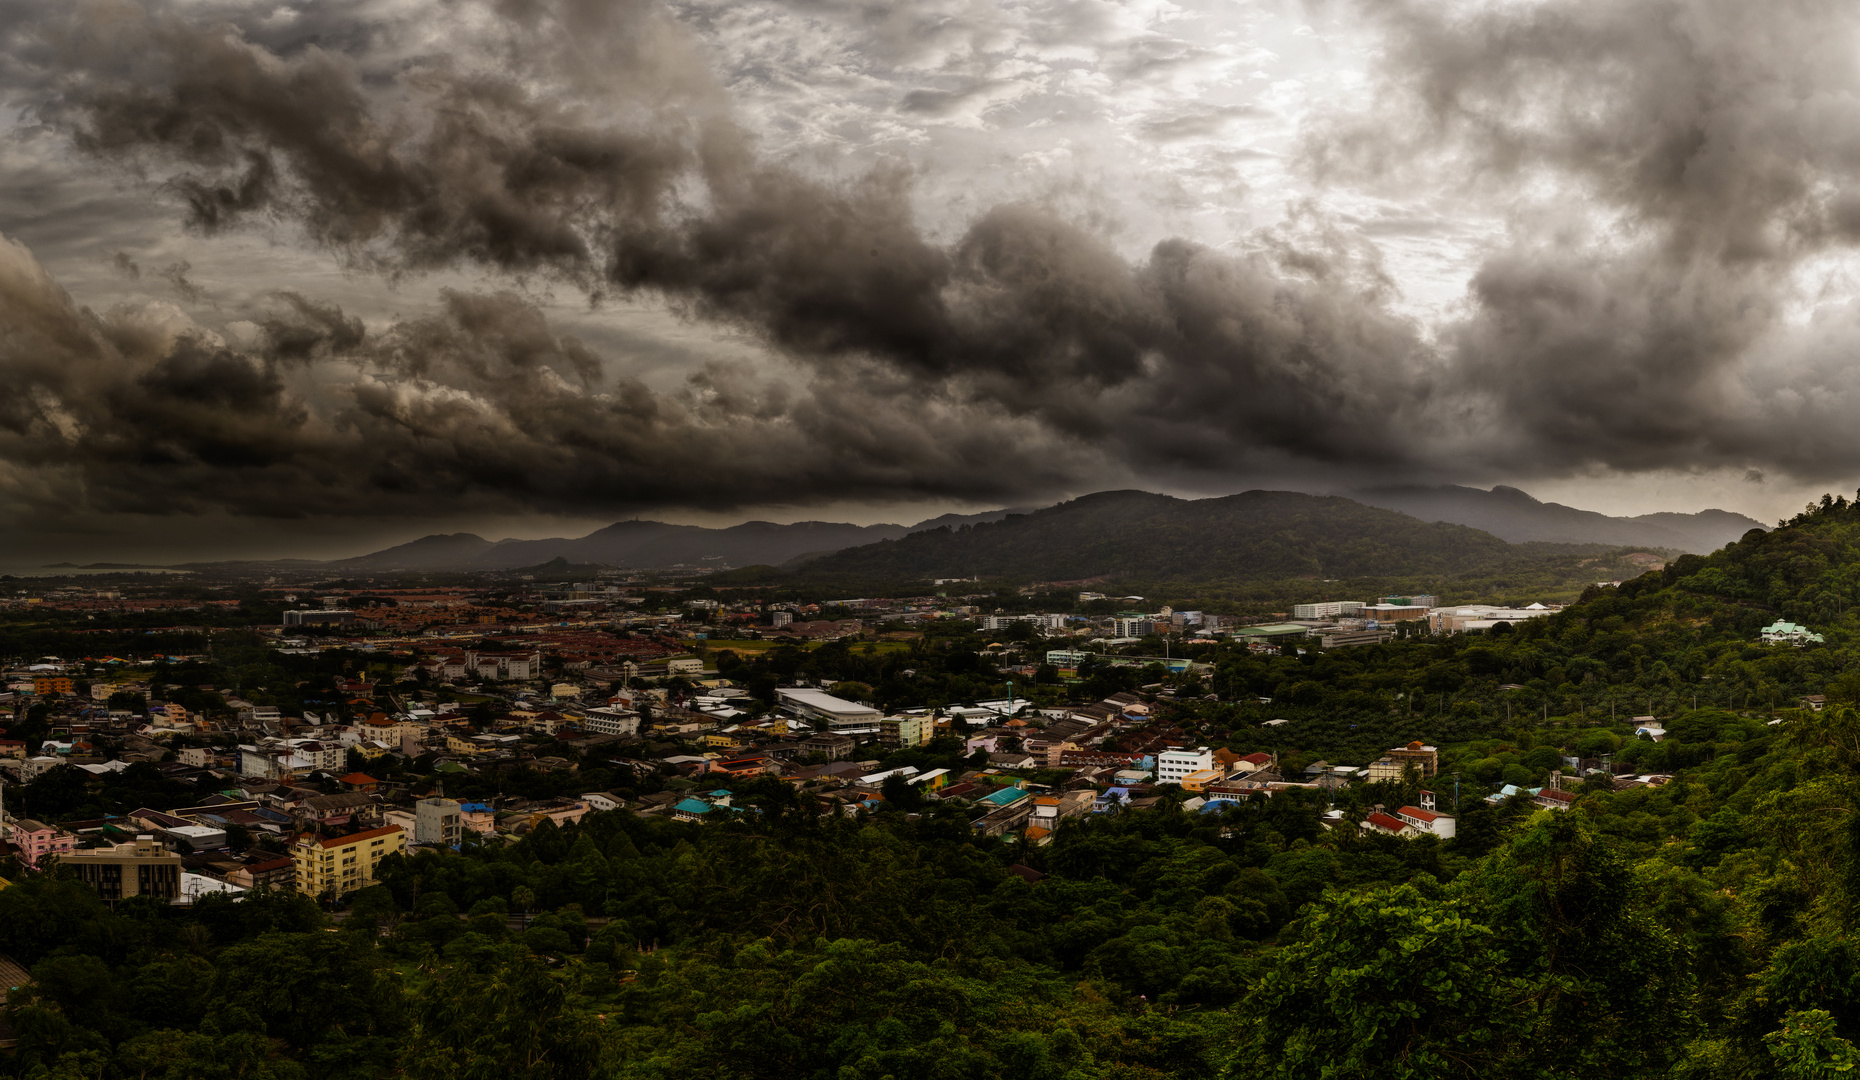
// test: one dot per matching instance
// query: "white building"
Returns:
(1173, 765)
(827, 711)
(1329, 609)
(437, 821)
(1425, 819)
(1482, 617)
(610, 721)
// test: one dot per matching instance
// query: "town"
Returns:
(442, 715)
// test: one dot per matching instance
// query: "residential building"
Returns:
(438, 821)
(140, 867)
(279, 873)
(345, 864)
(906, 731)
(1133, 628)
(1173, 765)
(345, 810)
(690, 810)
(834, 747)
(1195, 781)
(1553, 799)
(1427, 821)
(1425, 759)
(479, 818)
(611, 721)
(318, 618)
(1788, 633)
(36, 840)
(35, 767)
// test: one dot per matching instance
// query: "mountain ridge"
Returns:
(1518, 517)
(1253, 535)
(644, 544)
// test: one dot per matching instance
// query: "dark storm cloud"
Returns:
(595, 152)
(1694, 158)
(481, 406)
(1696, 155)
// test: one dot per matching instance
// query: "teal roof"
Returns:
(1007, 796)
(693, 806)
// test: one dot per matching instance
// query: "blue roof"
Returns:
(693, 806)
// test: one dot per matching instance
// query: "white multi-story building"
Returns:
(1173, 765)
(276, 759)
(611, 721)
(1329, 609)
(1135, 628)
(437, 821)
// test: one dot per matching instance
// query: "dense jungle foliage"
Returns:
(1700, 929)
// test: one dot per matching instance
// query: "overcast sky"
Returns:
(310, 278)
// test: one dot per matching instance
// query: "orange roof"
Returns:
(345, 841)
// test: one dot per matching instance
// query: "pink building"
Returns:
(36, 840)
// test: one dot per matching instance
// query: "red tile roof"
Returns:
(1382, 821)
(345, 841)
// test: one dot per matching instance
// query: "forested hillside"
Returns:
(1257, 535)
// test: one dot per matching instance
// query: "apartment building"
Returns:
(438, 821)
(343, 865)
(141, 867)
(904, 731)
